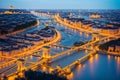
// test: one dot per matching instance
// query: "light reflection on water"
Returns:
(98, 67)
(118, 65)
(70, 76)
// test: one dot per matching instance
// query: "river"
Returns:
(98, 67)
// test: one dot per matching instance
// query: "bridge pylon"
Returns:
(46, 52)
(20, 64)
(58, 67)
(58, 70)
(95, 36)
(77, 62)
(68, 70)
(51, 70)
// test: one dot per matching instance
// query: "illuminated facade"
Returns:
(46, 52)
(11, 7)
(94, 16)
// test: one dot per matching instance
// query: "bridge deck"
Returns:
(79, 60)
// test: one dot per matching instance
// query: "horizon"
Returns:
(60, 9)
(68, 4)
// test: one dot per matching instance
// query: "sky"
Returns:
(61, 4)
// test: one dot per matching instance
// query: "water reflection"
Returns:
(97, 67)
(70, 76)
(108, 58)
(96, 57)
(115, 57)
(118, 60)
(80, 33)
(91, 60)
(118, 65)
(79, 67)
(83, 65)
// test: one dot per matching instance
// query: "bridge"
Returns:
(46, 57)
(85, 46)
(67, 70)
(59, 46)
(29, 52)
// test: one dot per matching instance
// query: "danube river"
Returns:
(97, 67)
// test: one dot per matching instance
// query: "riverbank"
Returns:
(77, 26)
(111, 47)
(59, 20)
(109, 53)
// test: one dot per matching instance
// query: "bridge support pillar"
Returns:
(68, 70)
(46, 52)
(58, 68)
(20, 64)
(51, 70)
(86, 51)
(95, 36)
(77, 62)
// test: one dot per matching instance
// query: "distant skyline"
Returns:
(61, 4)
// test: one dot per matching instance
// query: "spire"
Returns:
(11, 7)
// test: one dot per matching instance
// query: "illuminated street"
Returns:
(68, 44)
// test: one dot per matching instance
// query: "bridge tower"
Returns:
(20, 64)
(68, 70)
(51, 70)
(46, 52)
(95, 36)
(59, 70)
(58, 67)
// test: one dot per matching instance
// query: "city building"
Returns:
(94, 16)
